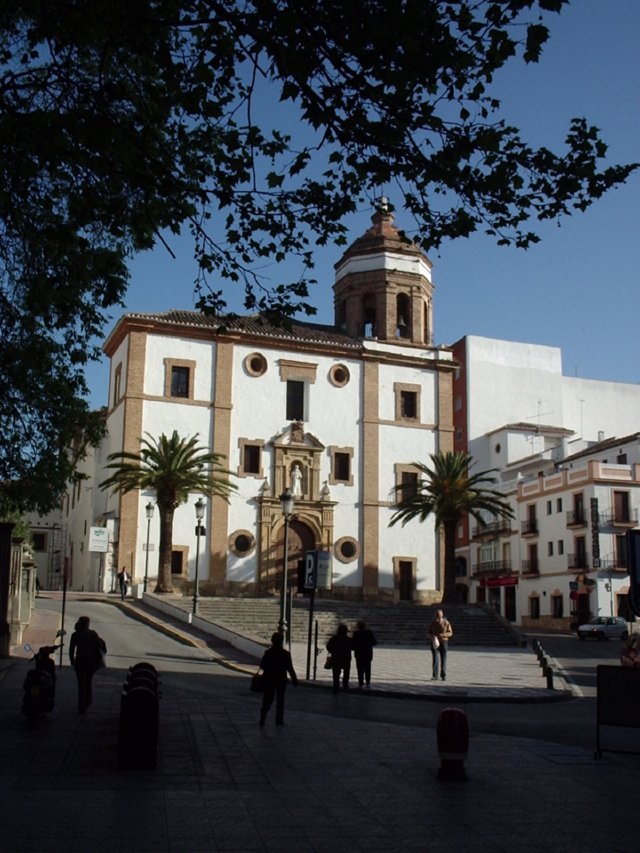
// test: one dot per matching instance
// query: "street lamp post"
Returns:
(286, 499)
(199, 531)
(149, 510)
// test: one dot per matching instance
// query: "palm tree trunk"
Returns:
(164, 584)
(449, 587)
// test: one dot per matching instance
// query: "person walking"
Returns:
(363, 642)
(123, 582)
(276, 664)
(440, 632)
(339, 647)
(86, 649)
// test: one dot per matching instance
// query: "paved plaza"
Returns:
(320, 783)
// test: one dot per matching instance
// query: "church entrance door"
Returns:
(301, 539)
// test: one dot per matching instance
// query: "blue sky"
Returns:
(578, 288)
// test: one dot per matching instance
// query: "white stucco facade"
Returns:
(350, 407)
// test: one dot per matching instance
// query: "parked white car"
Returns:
(604, 628)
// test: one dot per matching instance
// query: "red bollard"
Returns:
(453, 744)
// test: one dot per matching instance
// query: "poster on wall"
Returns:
(99, 539)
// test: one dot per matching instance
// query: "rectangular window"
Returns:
(549, 507)
(117, 382)
(409, 404)
(407, 401)
(251, 459)
(342, 467)
(39, 541)
(295, 400)
(557, 606)
(559, 505)
(560, 546)
(409, 481)
(180, 382)
(549, 549)
(621, 459)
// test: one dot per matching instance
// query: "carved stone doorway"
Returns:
(301, 539)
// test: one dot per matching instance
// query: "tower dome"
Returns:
(383, 286)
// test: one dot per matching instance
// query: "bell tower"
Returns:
(383, 286)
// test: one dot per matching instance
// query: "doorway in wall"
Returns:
(510, 603)
(405, 580)
(301, 539)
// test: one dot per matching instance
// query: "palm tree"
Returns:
(448, 491)
(173, 467)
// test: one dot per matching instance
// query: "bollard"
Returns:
(549, 674)
(540, 652)
(139, 719)
(453, 744)
(543, 663)
(535, 645)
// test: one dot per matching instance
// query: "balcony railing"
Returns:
(529, 527)
(576, 518)
(614, 563)
(577, 561)
(493, 567)
(530, 567)
(618, 519)
(492, 530)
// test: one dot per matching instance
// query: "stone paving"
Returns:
(320, 783)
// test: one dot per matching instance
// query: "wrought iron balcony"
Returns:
(577, 562)
(530, 567)
(618, 519)
(576, 518)
(492, 567)
(614, 563)
(492, 530)
(529, 527)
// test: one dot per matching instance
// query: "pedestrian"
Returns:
(86, 650)
(363, 642)
(440, 632)
(123, 582)
(339, 647)
(276, 664)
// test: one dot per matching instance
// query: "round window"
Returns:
(255, 364)
(346, 549)
(339, 375)
(241, 543)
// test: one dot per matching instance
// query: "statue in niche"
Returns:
(296, 480)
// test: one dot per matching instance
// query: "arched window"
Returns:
(369, 316)
(342, 316)
(403, 316)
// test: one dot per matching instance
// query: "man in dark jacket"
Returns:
(339, 647)
(363, 642)
(276, 663)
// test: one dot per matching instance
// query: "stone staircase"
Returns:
(392, 624)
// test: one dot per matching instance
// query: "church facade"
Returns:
(337, 414)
